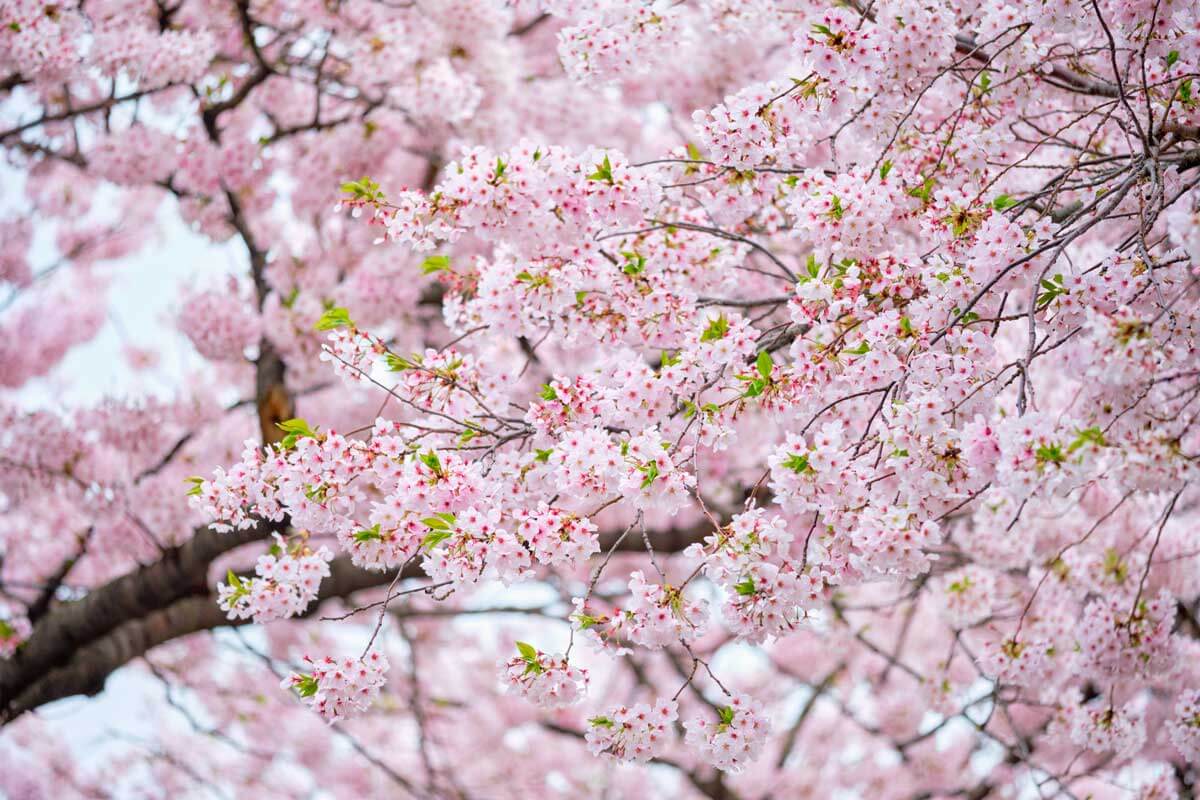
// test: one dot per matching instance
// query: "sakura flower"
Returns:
(732, 740)
(546, 681)
(638, 733)
(339, 688)
(1183, 727)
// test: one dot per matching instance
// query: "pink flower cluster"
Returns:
(546, 681)
(660, 615)
(287, 580)
(1183, 727)
(221, 324)
(635, 733)
(557, 536)
(734, 739)
(340, 688)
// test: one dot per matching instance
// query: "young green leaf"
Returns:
(334, 318)
(715, 330)
(432, 539)
(603, 172)
(764, 364)
(370, 534)
(798, 463)
(433, 264)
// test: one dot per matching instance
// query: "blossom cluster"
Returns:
(544, 680)
(844, 354)
(632, 733)
(735, 738)
(287, 579)
(339, 688)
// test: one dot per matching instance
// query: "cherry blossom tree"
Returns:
(617, 398)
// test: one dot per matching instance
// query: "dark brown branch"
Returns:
(67, 628)
(78, 645)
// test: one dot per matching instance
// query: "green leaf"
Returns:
(601, 722)
(371, 534)
(334, 318)
(603, 172)
(835, 207)
(500, 167)
(1093, 436)
(297, 426)
(197, 485)
(528, 652)
(436, 523)
(433, 264)
(1053, 288)
(431, 460)
(650, 471)
(307, 686)
(548, 392)
(862, 349)
(764, 365)
(726, 715)
(433, 538)
(1185, 92)
(580, 297)
(1049, 454)
(7, 631)
(364, 189)
(397, 363)
(543, 456)
(290, 300)
(635, 264)
(798, 463)
(812, 268)
(716, 329)
(745, 587)
(233, 580)
(1172, 57)
(985, 83)
(884, 169)
(924, 192)
(295, 429)
(1002, 202)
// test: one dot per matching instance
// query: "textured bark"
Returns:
(87, 668)
(77, 645)
(66, 628)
